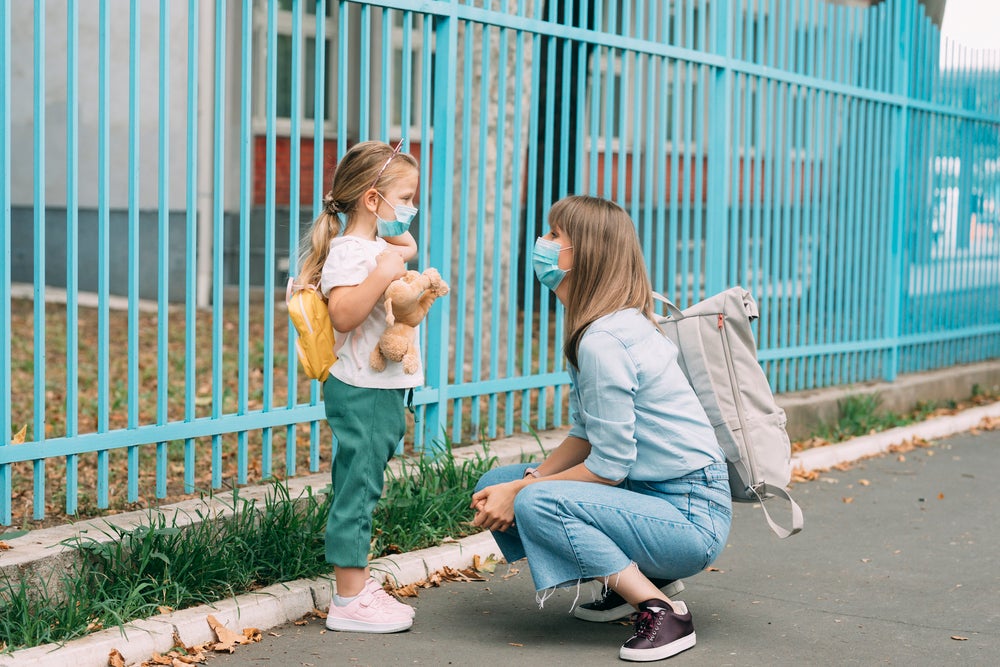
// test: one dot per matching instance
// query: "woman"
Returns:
(639, 487)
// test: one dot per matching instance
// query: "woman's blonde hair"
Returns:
(609, 271)
(356, 174)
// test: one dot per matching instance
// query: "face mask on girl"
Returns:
(545, 259)
(404, 215)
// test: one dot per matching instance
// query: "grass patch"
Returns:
(162, 566)
(862, 414)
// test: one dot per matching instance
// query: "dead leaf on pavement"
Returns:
(228, 639)
(713, 569)
(960, 638)
(940, 496)
(802, 475)
(4, 546)
(116, 659)
(863, 482)
(848, 499)
(515, 644)
(488, 565)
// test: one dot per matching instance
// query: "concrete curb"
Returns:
(282, 603)
(819, 458)
(263, 609)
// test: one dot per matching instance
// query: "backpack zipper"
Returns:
(747, 445)
(302, 312)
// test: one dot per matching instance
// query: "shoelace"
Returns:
(645, 624)
(383, 599)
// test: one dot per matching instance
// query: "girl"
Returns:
(372, 193)
(639, 488)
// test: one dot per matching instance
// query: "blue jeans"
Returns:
(576, 531)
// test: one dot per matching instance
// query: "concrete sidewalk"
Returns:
(898, 555)
(898, 564)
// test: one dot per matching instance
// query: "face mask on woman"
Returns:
(545, 259)
(404, 215)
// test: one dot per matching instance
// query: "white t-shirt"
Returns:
(349, 262)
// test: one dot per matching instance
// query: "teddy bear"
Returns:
(407, 300)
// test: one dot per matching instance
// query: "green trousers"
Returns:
(367, 426)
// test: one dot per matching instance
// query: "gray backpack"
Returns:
(718, 355)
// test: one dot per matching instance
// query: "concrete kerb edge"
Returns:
(820, 458)
(282, 603)
(263, 609)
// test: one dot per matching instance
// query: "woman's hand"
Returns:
(494, 505)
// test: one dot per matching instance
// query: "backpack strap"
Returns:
(762, 492)
(672, 310)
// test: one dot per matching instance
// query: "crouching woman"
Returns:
(637, 495)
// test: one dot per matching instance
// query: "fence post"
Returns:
(898, 160)
(440, 224)
(719, 145)
(5, 337)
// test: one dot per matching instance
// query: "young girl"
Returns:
(639, 488)
(372, 194)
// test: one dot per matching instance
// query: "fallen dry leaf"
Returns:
(488, 565)
(116, 659)
(848, 499)
(163, 609)
(4, 546)
(228, 639)
(802, 475)
(960, 638)
(512, 572)
(713, 569)
(515, 644)
(864, 482)
(940, 496)
(20, 435)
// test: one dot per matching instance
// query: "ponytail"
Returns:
(315, 247)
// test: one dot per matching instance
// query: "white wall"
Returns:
(55, 80)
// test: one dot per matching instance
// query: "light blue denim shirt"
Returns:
(631, 402)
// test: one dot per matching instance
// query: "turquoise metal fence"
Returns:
(162, 161)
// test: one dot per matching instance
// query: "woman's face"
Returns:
(566, 254)
(556, 235)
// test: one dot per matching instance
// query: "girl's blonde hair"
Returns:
(355, 175)
(609, 271)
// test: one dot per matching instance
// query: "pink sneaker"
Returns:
(368, 613)
(387, 600)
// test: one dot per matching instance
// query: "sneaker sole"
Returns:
(347, 625)
(665, 651)
(622, 610)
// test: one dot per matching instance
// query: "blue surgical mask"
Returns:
(404, 215)
(545, 259)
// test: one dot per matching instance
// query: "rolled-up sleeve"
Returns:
(607, 381)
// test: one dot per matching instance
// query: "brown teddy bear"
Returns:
(407, 301)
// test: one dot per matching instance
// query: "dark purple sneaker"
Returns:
(660, 632)
(612, 607)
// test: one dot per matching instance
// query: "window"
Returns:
(307, 68)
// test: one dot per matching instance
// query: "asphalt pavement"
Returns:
(897, 565)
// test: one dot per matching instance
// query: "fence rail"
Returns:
(171, 156)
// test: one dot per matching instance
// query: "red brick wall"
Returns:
(282, 173)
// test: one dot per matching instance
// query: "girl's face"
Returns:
(402, 190)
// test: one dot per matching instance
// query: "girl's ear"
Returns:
(370, 200)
